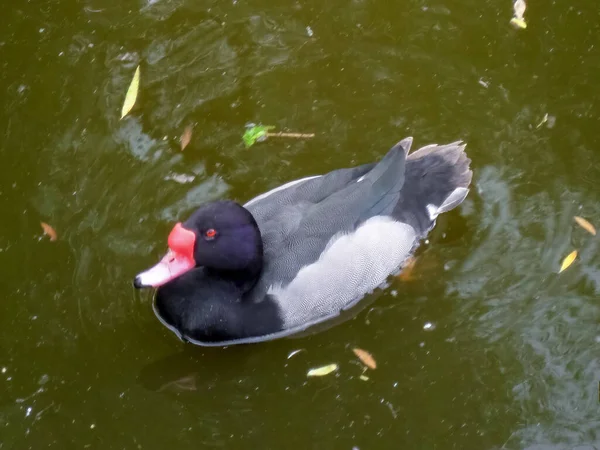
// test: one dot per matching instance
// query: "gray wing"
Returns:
(309, 190)
(308, 218)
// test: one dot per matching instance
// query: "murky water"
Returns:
(486, 347)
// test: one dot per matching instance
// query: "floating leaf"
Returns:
(544, 120)
(294, 352)
(407, 273)
(255, 133)
(322, 371)
(519, 7)
(568, 260)
(186, 137)
(180, 178)
(259, 133)
(518, 23)
(49, 231)
(366, 358)
(132, 93)
(585, 225)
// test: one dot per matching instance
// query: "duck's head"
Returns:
(222, 236)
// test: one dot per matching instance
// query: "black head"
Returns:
(220, 236)
(227, 237)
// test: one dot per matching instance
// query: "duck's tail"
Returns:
(437, 181)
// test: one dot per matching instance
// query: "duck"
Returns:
(304, 252)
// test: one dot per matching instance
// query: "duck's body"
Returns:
(302, 253)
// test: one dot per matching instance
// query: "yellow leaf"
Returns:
(322, 371)
(366, 358)
(585, 225)
(48, 230)
(518, 23)
(568, 260)
(186, 137)
(132, 93)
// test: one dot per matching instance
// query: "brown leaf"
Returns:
(186, 137)
(568, 260)
(48, 230)
(365, 357)
(407, 273)
(585, 225)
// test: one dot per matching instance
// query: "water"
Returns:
(485, 347)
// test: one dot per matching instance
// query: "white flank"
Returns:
(350, 266)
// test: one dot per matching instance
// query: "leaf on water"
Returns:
(255, 133)
(365, 357)
(518, 23)
(407, 273)
(519, 7)
(49, 231)
(549, 120)
(322, 371)
(585, 225)
(364, 378)
(132, 93)
(186, 137)
(294, 352)
(568, 260)
(544, 120)
(180, 178)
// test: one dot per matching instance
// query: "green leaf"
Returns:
(256, 133)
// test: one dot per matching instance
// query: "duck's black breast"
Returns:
(207, 311)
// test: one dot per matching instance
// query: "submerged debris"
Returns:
(518, 21)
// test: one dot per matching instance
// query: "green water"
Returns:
(511, 356)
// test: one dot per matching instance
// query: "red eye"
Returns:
(210, 233)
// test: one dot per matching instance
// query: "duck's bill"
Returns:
(170, 267)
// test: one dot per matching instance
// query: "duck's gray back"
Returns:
(330, 240)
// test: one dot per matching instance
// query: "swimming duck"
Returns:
(302, 253)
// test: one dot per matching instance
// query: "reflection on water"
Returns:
(484, 346)
(530, 313)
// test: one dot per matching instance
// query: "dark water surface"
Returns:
(511, 359)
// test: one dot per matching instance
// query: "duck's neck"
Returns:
(242, 279)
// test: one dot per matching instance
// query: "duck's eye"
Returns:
(210, 234)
